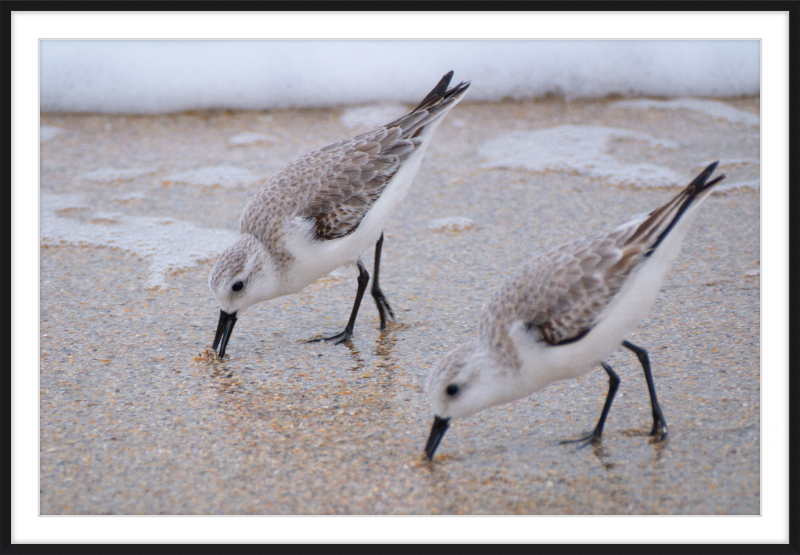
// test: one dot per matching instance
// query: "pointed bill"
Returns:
(224, 330)
(437, 432)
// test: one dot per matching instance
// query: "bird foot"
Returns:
(384, 308)
(592, 439)
(659, 432)
(346, 335)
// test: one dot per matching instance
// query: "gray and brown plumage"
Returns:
(565, 312)
(323, 210)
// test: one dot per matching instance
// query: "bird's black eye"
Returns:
(452, 389)
(238, 286)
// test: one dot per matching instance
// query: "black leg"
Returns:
(380, 300)
(363, 279)
(613, 383)
(659, 424)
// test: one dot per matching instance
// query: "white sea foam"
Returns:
(169, 76)
(108, 175)
(132, 197)
(712, 108)
(743, 173)
(166, 244)
(740, 163)
(244, 139)
(451, 223)
(214, 176)
(573, 148)
(749, 184)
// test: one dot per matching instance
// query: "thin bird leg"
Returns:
(659, 424)
(363, 279)
(380, 300)
(595, 436)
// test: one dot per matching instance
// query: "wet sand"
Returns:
(132, 424)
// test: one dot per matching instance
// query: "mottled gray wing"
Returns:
(584, 278)
(351, 175)
(334, 186)
(561, 294)
(347, 178)
(337, 185)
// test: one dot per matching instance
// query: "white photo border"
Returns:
(771, 28)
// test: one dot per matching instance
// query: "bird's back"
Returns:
(335, 186)
(560, 296)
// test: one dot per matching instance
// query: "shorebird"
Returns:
(324, 210)
(565, 312)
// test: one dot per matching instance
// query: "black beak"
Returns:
(224, 330)
(437, 432)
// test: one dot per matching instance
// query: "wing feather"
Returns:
(562, 294)
(337, 185)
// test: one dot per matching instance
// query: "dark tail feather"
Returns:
(697, 186)
(438, 92)
(435, 104)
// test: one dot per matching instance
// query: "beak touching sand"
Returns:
(224, 330)
(437, 432)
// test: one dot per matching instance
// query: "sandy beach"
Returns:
(132, 422)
